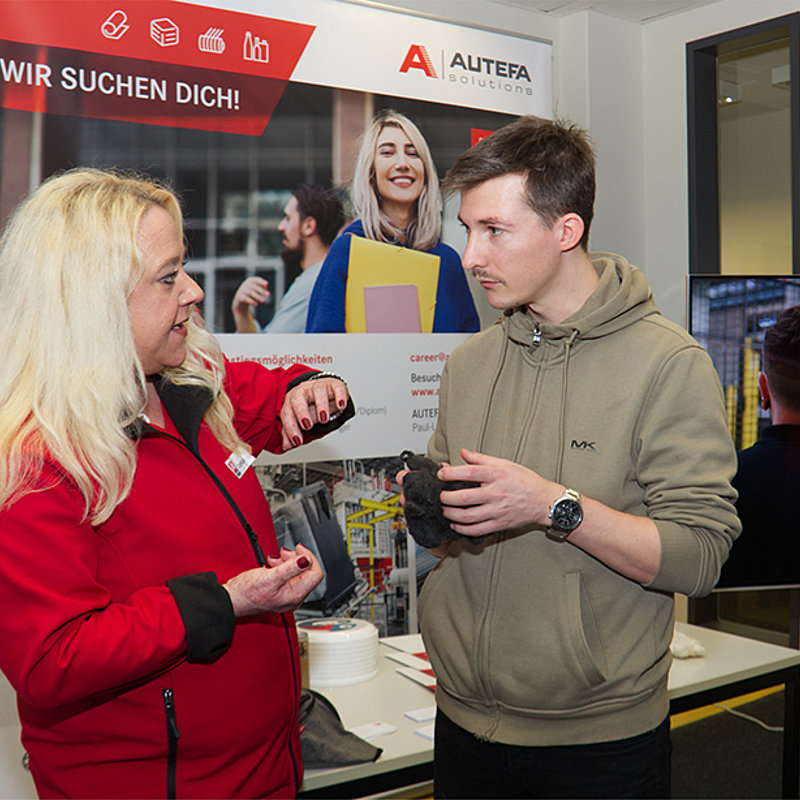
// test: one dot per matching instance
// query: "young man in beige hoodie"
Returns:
(596, 431)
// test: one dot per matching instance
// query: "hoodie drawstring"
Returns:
(564, 386)
(563, 410)
(493, 386)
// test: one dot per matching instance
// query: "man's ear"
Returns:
(572, 228)
(308, 227)
(763, 388)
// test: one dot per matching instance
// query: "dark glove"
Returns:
(423, 510)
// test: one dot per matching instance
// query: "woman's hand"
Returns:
(279, 587)
(307, 404)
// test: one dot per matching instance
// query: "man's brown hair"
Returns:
(556, 158)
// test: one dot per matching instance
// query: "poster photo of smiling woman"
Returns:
(397, 202)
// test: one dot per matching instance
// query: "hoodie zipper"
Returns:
(173, 734)
(483, 652)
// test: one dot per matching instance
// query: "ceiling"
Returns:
(635, 10)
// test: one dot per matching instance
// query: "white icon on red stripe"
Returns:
(116, 25)
(211, 41)
(164, 32)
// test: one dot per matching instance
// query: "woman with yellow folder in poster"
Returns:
(389, 272)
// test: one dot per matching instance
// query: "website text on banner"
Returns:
(396, 389)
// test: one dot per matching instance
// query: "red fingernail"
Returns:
(342, 403)
(307, 424)
(303, 562)
(297, 441)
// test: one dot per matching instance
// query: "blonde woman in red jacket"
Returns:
(147, 624)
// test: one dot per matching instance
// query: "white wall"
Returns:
(598, 68)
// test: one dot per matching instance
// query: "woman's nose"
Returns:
(191, 292)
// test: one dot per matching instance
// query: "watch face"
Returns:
(567, 515)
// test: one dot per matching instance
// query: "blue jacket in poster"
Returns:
(455, 309)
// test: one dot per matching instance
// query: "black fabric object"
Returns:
(423, 508)
(324, 741)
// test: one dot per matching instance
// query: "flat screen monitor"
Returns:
(728, 315)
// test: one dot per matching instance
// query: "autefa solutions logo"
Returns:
(469, 69)
(417, 58)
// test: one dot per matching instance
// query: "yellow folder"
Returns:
(374, 264)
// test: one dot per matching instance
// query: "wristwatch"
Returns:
(566, 514)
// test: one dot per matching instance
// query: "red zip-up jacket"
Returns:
(133, 678)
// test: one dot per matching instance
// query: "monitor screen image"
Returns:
(728, 315)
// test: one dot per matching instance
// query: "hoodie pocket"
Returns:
(584, 630)
(545, 651)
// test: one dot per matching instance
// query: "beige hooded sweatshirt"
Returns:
(535, 642)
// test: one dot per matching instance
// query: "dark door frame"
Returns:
(702, 94)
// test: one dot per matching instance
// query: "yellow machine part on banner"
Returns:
(376, 264)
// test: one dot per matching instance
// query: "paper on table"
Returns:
(426, 732)
(372, 729)
(422, 714)
(408, 643)
(426, 678)
(410, 660)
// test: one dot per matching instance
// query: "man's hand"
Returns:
(279, 587)
(307, 404)
(509, 495)
(252, 292)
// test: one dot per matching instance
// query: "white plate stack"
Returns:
(341, 651)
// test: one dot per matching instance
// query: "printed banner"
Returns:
(395, 389)
(211, 67)
(399, 54)
(162, 63)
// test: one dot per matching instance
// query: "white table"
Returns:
(407, 758)
(732, 666)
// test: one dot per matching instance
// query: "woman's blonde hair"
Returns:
(70, 380)
(426, 227)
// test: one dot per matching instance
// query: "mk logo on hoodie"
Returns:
(576, 445)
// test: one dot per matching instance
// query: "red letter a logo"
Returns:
(417, 58)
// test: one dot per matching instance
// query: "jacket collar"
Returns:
(185, 404)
